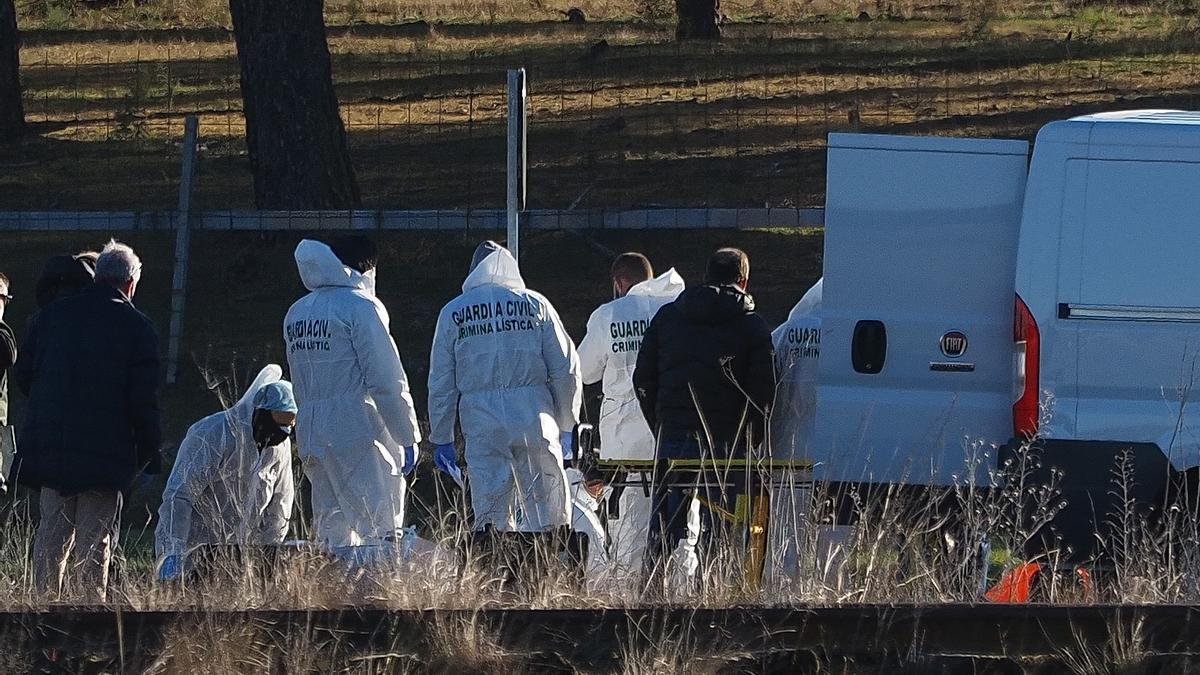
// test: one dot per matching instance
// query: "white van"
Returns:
(974, 298)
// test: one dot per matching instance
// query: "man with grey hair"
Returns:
(89, 367)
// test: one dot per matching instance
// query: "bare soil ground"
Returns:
(620, 115)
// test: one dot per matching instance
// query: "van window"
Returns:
(1141, 239)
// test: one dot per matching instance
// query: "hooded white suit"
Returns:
(222, 490)
(356, 413)
(797, 349)
(609, 352)
(503, 364)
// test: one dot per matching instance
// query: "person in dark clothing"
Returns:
(8, 350)
(64, 276)
(705, 379)
(89, 366)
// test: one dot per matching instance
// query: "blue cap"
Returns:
(276, 397)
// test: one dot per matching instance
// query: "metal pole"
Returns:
(182, 246)
(516, 157)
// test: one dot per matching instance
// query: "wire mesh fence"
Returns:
(614, 122)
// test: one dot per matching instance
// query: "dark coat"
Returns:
(708, 347)
(89, 366)
(8, 355)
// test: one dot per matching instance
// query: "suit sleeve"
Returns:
(195, 465)
(143, 400)
(595, 348)
(273, 495)
(384, 376)
(562, 366)
(443, 383)
(645, 374)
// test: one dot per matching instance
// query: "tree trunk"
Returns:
(294, 134)
(698, 19)
(12, 113)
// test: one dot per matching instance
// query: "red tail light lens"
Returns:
(1026, 339)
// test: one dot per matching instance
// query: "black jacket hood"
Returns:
(715, 304)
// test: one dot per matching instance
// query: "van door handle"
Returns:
(868, 351)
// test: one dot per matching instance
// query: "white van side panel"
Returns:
(1137, 305)
(920, 236)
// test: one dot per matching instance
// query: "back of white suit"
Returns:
(608, 354)
(356, 412)
(505, 367)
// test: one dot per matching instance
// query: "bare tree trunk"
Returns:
(12, 113)
(698, 19)
(294, 134)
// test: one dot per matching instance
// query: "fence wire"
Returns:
(612, 124)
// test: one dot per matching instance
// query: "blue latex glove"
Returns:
(445, 458)
(411, 454)
(567, 441)
(171, 568)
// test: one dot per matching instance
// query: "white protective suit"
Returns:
(222, 490)
(797, 350)
(585, 519)
(356, 413)
(504, 365)
(609, 353)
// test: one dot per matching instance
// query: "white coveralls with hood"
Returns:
(356, 412)
(609, 353)
(503, 364)
(797, 349)
(222, 489)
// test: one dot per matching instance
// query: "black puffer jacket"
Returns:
(708, 347)
(89, 366)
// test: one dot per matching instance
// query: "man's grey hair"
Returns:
(117, 264)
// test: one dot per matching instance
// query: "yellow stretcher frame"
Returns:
(753, 510)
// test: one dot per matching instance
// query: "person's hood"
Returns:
(63, 275)
(320, 268)
(498, 268)
(244, 408)
(810, 303)
(715, 304)
(666, 285)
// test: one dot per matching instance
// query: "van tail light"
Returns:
(1027, 345)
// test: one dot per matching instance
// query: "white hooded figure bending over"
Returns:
(357, 428)
(232, 479)
(504, 366)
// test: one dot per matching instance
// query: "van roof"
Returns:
(1180, 117)
(1146, 128)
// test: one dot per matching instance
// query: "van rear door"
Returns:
(916, 370)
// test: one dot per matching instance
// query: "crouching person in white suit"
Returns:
(232, 479)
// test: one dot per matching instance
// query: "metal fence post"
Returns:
(516, 157)
(182, 246)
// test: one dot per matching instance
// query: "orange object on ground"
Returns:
(1016, 585)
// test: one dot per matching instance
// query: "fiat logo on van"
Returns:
(953, 344)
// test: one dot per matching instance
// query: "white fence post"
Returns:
(516, 157)
(182, 246)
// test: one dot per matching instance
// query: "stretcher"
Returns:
(750, 480)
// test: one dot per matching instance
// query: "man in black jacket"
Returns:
(89, 366)
(705, 379)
